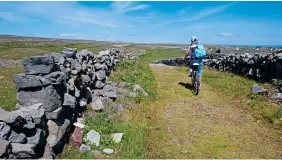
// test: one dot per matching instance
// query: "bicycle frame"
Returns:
(195, 73)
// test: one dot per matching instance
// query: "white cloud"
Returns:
(72, 13)
(202, 14)
(10, 17)
(226, 34)
(124, 7)
(71, 36)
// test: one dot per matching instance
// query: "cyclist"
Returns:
(190, 52)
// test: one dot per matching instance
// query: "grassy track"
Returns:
(209, 125)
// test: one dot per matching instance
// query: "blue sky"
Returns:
(252, 23)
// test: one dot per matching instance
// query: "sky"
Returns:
(237, 23)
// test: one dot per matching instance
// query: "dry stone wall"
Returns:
(52, 92)
(264, 67)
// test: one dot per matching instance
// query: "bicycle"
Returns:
(195, 79)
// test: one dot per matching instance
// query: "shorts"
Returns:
(200, 67)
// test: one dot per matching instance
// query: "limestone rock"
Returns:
(93, 137)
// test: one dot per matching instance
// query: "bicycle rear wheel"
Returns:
(196, 83)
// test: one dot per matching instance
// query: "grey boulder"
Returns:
(28, 81)
(84, 148)
(38, 64)
(69, 52)
(23, 151)
(48, 96)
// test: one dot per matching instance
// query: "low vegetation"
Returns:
(8, 94)
(238, 89)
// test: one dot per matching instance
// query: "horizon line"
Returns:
(140, 43)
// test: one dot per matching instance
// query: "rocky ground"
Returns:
(52, 92)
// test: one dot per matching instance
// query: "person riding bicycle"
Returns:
(190, 52)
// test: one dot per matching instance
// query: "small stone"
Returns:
(101, 74)
(57, 130)
(108, 151)
(120, 107)
(110, 94)
(80, 120)
(38, 138)
(85, 79)
(5, 148)
(93, 137)
(258, 89)
(77, 66)
(277, 96)
(5, 131)
(74, 72)
(23, 151)
(117, 137)
(69, 100)
(96, 153)
(83, 102)
(84, 148)
(77, 136)
(99, 66)
(99, 84)
(55, 114)
(80, 125)
(56, 78)
(97, 104)
(137, 88)
(17, 137)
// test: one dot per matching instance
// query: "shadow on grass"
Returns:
(187, 86)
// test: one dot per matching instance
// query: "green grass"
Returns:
(239, 88)
(8, 94)
(16, 50)
(160, 53)
(136, 72)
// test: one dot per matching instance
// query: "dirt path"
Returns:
(204, 126)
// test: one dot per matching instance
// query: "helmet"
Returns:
(193, 39)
